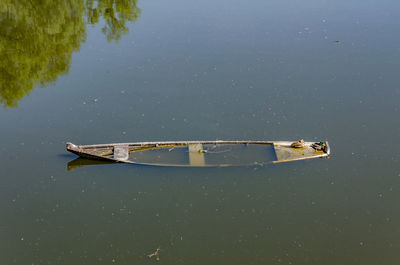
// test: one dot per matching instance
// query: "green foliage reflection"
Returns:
(38, 37)
(116, 14)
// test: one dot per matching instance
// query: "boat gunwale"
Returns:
(142, 144)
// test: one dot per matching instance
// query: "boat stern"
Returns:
(73, 148)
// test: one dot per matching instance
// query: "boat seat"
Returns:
(121, 152)
(196, 155)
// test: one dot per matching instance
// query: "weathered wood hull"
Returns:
(201, 153)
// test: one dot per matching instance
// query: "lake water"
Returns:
(126, 71)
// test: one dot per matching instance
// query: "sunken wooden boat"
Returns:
(203, 153)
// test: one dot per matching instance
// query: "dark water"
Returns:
(116, 71)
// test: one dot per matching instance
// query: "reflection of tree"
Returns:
(115, 13)
(36, 44)
(37, 38)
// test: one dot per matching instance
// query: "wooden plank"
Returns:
(156, 144)
(196, 155)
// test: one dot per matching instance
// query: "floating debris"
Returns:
(155, 254)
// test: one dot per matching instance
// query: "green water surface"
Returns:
(92, 72)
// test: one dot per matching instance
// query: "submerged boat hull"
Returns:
(202, 153)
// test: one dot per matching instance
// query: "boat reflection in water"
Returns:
(197, 153)
(80, 162)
